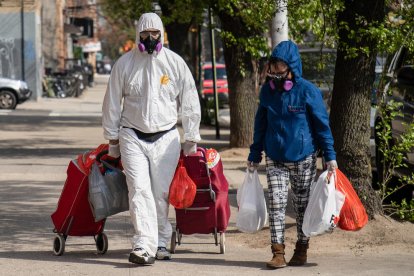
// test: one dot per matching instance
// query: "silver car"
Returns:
(13, 92)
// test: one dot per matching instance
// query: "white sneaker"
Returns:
(163, 254)
(140, 256)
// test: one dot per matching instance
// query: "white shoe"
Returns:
(140, 256)
(163, 254)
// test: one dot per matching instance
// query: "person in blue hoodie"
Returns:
(291, 124)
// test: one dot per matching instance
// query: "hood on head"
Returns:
(149, 21)
(289, 53)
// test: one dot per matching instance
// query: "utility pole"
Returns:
(213, 63)
(22, 36)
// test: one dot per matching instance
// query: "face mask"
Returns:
(150, 44)
(280, 83)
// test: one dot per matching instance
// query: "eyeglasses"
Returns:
(153, 34)
(278, 75)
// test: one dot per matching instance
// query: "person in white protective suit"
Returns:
(147, 87)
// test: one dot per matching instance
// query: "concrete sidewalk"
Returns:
(37, 142)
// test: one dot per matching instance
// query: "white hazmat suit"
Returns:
(144, 93)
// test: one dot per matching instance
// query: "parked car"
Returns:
(222, 85)
(13, 92)
(399, 87)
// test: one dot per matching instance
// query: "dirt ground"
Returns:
(380, 235)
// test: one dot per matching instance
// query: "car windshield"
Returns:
(318, 69)
(221, 73)
(407, 58)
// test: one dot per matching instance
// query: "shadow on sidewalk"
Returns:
(41, 152)
(217, 262)
(224, 262)
(45, 137)
(84, 257)
(87, 257)
(44, 122)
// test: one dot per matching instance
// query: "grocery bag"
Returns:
(353, 215)
(252, 215)
(183, 189)
(108, 193)
(324, 206)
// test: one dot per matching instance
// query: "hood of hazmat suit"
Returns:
(146, 91)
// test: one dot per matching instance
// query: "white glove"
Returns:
(331, 165)
(252, 166)
(189, 148)
(114, 151)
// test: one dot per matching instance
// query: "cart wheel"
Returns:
(173, 242)
(59, 245)
(215, 236)
(101, 243)
(222, 243)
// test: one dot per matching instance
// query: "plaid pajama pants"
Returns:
(301, 175)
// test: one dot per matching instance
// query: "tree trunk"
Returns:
(177, 33)
(178, 40)
(351, 101)
(242, 72)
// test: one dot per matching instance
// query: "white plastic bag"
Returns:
(108, 194)
(252, 215)
(325, 203)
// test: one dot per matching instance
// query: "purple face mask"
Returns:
(281, 82)
(150, 44)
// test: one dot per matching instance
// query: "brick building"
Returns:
(38, 34)
(69, 30)
(83, 15)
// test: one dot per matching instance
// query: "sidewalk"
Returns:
(37, 141)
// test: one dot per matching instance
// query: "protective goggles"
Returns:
(278, 76)
(153, 34)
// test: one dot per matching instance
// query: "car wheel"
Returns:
(7, 100)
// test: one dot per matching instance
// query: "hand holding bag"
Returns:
(108, 193)
(252, 214)
(324, 206)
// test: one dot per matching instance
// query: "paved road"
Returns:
(36, 143)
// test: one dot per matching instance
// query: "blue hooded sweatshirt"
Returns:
(291, 125)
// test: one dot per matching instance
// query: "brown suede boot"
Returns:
(278, 259)
(300, 256)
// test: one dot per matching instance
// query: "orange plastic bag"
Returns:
(353, 215)
(182, 189)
